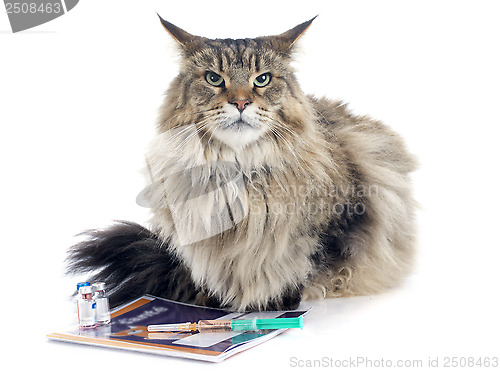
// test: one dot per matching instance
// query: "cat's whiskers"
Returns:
(298, 158)
(332, 165)
(178, 132)
(177, 150)
(172, 118)
(202, 125)
(211, 136)
(274, 126)
(296, 136)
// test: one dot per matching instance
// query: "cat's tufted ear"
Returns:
(288, 38)
(182, 37)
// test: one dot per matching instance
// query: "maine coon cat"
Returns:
(260, 195)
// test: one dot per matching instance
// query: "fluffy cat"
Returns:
(261, 196)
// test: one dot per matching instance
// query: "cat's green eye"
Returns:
(262, 80)
(214, 79)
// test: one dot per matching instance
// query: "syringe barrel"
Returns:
(214, 325)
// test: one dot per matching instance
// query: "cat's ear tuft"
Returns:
(182, 37)
(289, 37)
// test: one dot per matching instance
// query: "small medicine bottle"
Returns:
(103, 316)
(86, 307)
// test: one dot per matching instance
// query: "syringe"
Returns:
(216, 325)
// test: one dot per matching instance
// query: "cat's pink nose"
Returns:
(240, 104)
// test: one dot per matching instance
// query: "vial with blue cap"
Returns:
(86, 307)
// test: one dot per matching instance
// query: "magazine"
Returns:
(128, 330)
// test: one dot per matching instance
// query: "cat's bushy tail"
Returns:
(132, 261)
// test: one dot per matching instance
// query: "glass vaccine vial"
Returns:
(103, 316)
(86, 307)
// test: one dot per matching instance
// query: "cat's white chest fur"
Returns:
(231, 231)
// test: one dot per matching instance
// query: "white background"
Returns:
(78, 103)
